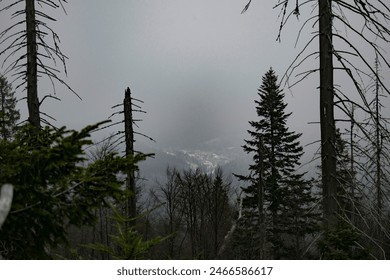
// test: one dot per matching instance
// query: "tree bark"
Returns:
(378, 141)
(6, 194)
(3, 128)
(328, 129)
(131, 208)
(353, 210)
(32, 74)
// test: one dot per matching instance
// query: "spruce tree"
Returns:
(277, 198)
(9, 115)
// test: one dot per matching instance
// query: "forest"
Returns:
(66, 195)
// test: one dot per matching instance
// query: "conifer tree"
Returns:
(336, 52)
(53, 189)
(277, 197)
(9, 115)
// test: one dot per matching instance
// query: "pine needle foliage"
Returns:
(9, 115)
(54, 188)
(342, 243)
(286, 195)
(128, 243)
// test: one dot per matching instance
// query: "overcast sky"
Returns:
(196, 64)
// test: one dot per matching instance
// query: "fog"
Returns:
(197, 65)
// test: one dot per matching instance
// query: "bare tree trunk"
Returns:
(32, 74)
(6, 194)
(353, 210)
(3, 132)
(131, 209)
(328, 129)
(378, 142)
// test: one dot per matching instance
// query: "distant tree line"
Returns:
(79, 210)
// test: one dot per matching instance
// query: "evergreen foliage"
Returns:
(127, 243)
(341, 244)
(53, 189)
(287, 195)
(9, 115)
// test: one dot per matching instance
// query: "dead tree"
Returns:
(36, 55)
(370, 27)
(32, 67)
(378, 142)
(6, 194)
(327, 123)
(131, 203)
(127, 137)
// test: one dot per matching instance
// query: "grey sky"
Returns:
(196, 64)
